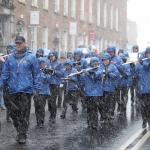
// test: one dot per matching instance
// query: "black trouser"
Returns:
(6, 101)
(92, 111)
(145, 107)
(134, 88)
(20, 104)
(101, 106)
(52, 100)
(108, 105)
(60, 96)
(39, 103)
(82, 96)
(70, 97)
(124, 97)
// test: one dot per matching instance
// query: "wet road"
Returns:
(72, 133)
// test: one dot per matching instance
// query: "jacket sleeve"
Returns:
(146, 64)
(5, 74)
(59, 70)
(99, 73)
(114, 74)
(36, 74)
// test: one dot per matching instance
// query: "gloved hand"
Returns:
(92, 74)
(48, 71)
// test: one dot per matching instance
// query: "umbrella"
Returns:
(46, 51)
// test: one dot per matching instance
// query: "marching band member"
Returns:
(117, 61)
(56, 68)
(110, 74)
(125, 74)
(70, 88)
(142, 72)
(93, 91)
(80, 63)
(44, 93)
(70, 55)
(121, 51)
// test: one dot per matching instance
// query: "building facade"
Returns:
(66, 24)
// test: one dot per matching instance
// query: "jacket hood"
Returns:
(78, 51)
(42, 59)
(68, 61)
(106, 56)
(121, 50)
(54, 52)
(69, 52)
(111, 48)
(122, 55)
(141, 55)
(147, 49)
(136, 46)
(10, 47)
(94, 59)
(41, 49)
(88, 55)
(126, 54)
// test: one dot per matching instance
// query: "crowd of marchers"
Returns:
(99, 83)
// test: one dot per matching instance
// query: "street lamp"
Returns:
(19, 26)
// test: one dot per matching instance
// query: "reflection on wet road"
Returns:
(73, 133)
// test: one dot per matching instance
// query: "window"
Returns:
(73, 7)
(33, 38)
(101, 45)
(64, 42)
(117, 19)
(45, 4)
(98, 12)
(44, 37)
(105, 14)
(82, 11)
(111, 18)
(34, 2)
(90, 11)
(72, 42)
(65, 7)
(57, 2)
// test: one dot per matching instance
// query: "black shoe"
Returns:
(144, 124)
(51, 120)
(8, 119)
(22, 138)
(41, 126)
(62, 116)
(94, 127)
(84, 110)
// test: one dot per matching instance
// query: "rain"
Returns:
(74, 75)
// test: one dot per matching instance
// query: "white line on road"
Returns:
(141, 141)
(127, 143)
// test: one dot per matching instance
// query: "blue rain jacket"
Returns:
(22, 75)
(112, 74)
(142, 71)
(73, 82)
(44, 80)
(93, 85)
(58, 67)
(83, 65)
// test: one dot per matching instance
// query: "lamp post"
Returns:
(18, 27)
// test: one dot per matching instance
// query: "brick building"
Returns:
(98, 22)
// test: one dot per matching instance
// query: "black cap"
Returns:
(20, 39)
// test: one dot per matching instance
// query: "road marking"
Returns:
(127, 143)
(141, 141)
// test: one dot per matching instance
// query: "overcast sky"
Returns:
(139, 11)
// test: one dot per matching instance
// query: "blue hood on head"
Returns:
(13, 46)
(41, 49)
(78, 51)
(54, 52)
(122, 55)
(69, 52)
(121, 50)
(68, 61)
(98, 55)
(94, 59)
(141, 55)
(126, 54)
(88, 55)
(42, 59)
(147, 49)
(111, 48)
(135, 46)
(106, 56)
